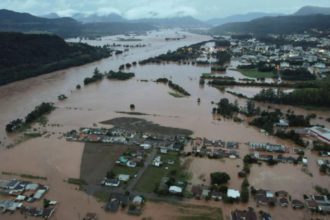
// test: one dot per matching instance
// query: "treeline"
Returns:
(182, 54)
(297, 74)
(279, 41)
(178, 88)
(291, 135)
(120, 75)
(98, 76)
(28, 55)
(305, 96)
(40, 110)
(260, 66)
(173, 86)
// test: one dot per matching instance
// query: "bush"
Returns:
(219, 178)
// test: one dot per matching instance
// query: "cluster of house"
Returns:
(126, 137)
(158, 161)
(252, 51)
(267, 147)
(98, 135)
(258, 150)
(319, 203)
(129, 159)
(205, 192)
(214, 148)
(23, 193)
(121, 200)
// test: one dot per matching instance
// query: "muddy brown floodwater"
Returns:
(53, 157)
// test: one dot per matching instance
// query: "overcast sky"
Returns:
(202, 9)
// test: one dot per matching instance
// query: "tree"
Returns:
(219, 178)
(250, 106)
(245, 194)
(111, 175)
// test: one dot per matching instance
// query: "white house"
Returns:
(175, 189)
(232, 193)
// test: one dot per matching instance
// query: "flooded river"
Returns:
(101, 101)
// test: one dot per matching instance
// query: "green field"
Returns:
(254, 73)
(153, 175)
(195, 212)
(125, 170)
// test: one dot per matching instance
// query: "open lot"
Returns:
(142, 125)
(98, 159)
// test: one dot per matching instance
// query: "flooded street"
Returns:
(58, 160)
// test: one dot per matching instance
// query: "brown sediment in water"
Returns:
(58, 160)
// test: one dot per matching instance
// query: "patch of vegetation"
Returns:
(212, 76)
(322, 191)
(97, 76)
(33, 116)
(29, 55)
(245, 194)
(320, 146)
(291, 135)
(226, 109)
(125, 170)
(181, 54)
(153, 175)
(23, 175)
(102, 196)
(176, 95)
(302, 97)
(297, 75)
(219, 178)
(78, 182)
(162, 80)
(266, 120)
(254, 73)
(178, 88)
(120, 75)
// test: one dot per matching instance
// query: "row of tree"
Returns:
(40, 110)
(307, 96)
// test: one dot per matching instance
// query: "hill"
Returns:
(24, 22)
(27, 55)
(312, 10)
(11, 21)
(238, 18)
(276, 25)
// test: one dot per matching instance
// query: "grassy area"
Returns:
(153, 175)
(254, 73)
(98, 159)
(102, 196)
(125, 170)
(195, 212)
(176, 94)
